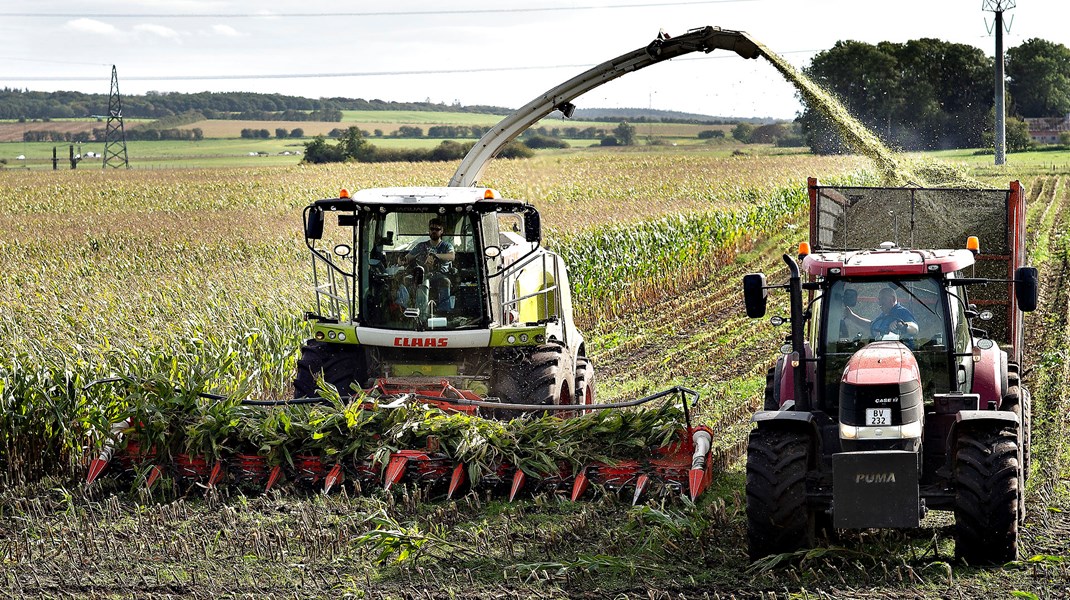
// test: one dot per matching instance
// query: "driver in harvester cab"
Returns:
(436, 256)
(894, 317)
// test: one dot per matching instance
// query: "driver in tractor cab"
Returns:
(436, 256)
(894, 318)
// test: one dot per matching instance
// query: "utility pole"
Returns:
(999, 7)
(115, 133)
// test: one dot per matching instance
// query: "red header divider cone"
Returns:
(395, 470)
(332, 478)
(579, 485)
(456, 480)
(640, 485)
(96, 466)
(276, 472)
(518, 482)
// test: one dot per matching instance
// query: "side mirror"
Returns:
(850, 297)
(314, 223)
(532, 226)
(1026, 288)
(754, 294)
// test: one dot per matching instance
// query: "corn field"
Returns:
(196, 280)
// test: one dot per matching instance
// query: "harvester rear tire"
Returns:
(778, 517)
(341, 367)
(585, 391)
(988, 488)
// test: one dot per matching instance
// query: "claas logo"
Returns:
(421, 342)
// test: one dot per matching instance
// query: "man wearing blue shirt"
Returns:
(894, 317)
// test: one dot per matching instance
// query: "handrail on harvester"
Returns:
(704, 39)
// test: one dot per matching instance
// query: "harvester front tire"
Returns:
(543, 379)
(988, 488)
(778, 518)
(341, 367)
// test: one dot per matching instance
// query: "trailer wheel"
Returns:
(778, 517)
(341, 367)
(988, 490)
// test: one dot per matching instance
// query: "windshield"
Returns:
(913, 312)
(418, 271)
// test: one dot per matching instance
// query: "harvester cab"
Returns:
(896, 392)
(416, 286)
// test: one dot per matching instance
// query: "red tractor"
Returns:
(896, 392)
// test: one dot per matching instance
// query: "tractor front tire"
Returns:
(988, 488)
(341, 367)
(778, 517)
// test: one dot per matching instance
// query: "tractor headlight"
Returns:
(523, 338)
(341, 336)
(883, 432)
(332, 334)
(511, 339)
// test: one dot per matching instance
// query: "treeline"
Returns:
(352, 147)
(326, 114)
(98, 134)
(26, 104)
(929, 94)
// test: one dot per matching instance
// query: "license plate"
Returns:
(878, 416)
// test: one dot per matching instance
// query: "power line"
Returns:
(393, 13)
(346, 74)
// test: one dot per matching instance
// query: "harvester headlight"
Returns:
(319, 335)
(539, 338)
(332, 334)
(341, 336)
(834, 271)
(524, 338)
(511, 339)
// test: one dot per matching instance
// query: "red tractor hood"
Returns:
(882, 362)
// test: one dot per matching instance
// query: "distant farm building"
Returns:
(1047, 130)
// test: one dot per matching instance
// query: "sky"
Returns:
(500, 53)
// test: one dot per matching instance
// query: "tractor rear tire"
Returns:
(778, 517)
(341, 367)
(988, 489)
(772, 390)
(1019, 401)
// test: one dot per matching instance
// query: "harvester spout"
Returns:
(704, 39)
